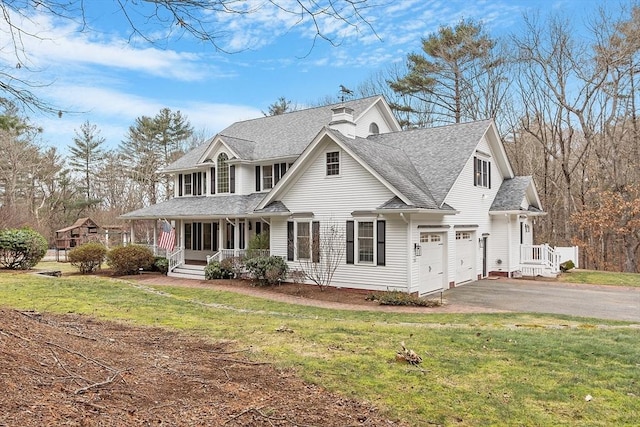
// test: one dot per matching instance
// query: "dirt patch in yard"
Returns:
(78, 371)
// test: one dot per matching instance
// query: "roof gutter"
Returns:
(517, 212)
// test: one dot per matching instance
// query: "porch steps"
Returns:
(533, 270)
(187, 271)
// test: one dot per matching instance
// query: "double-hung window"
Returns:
(481, 172)
(303, 241)
(187, 184)
(267, 177)
(333, 163)
(366, 242)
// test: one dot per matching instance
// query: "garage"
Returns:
(432, 276)
(465, 256)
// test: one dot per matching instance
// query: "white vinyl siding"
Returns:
(358, 191)
(474, 204)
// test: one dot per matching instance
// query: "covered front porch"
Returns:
(197, 242)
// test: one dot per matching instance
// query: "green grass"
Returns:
(601, 278)
(478, 369)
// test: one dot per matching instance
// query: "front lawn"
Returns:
(601, 278)
(489, 369)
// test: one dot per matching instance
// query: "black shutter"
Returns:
(350, 242)
(232, 179)
(289, 240)
(489, 167)
(475, 171)
(180, 185)
(283, 168)
(276, 173)
(257, 178)
(215, 233)
(258, 227)
(204, 183)
(213, 181)
(380, 241)
(315, 241)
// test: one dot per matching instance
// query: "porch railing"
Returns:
(230, 253)
(176, 258)
(540, 255)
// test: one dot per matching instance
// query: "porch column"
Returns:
(236, 235)
(509, 244)
(133, 234)
(222, 230)
(155, 237)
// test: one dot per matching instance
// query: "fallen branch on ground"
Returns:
(407, 355)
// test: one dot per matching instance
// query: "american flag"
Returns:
(167, 236)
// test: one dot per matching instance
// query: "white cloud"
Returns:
(113, 112)
(53, 45)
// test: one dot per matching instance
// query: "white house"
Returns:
(421, 210)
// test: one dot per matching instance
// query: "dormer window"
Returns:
(373, 129)
(333, 163)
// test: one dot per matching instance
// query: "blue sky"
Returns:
(111, 77)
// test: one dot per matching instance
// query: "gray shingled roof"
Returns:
(284, 135)
(288, 134)
(438, 154)
(394, 165)
(274, 207)
(200, 206)
(511, 193)
(189, 160)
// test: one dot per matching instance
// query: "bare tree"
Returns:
(327, 251)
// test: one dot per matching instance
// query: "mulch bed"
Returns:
(70, 370)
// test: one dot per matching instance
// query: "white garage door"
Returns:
(431, 262)
(464, 257)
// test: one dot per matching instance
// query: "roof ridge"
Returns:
(305, 110)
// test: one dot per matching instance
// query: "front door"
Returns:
(431, 262)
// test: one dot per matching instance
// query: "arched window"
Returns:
(373, 129)
(223, 173)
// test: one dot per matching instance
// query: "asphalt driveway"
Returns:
(603, 302)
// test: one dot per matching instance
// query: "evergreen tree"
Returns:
(152, 143)
(447, 78)
(85, 156)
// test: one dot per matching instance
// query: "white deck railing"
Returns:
(540, 256)
(230, 253)
(176, 258)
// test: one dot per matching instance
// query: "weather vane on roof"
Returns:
(345, 92)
